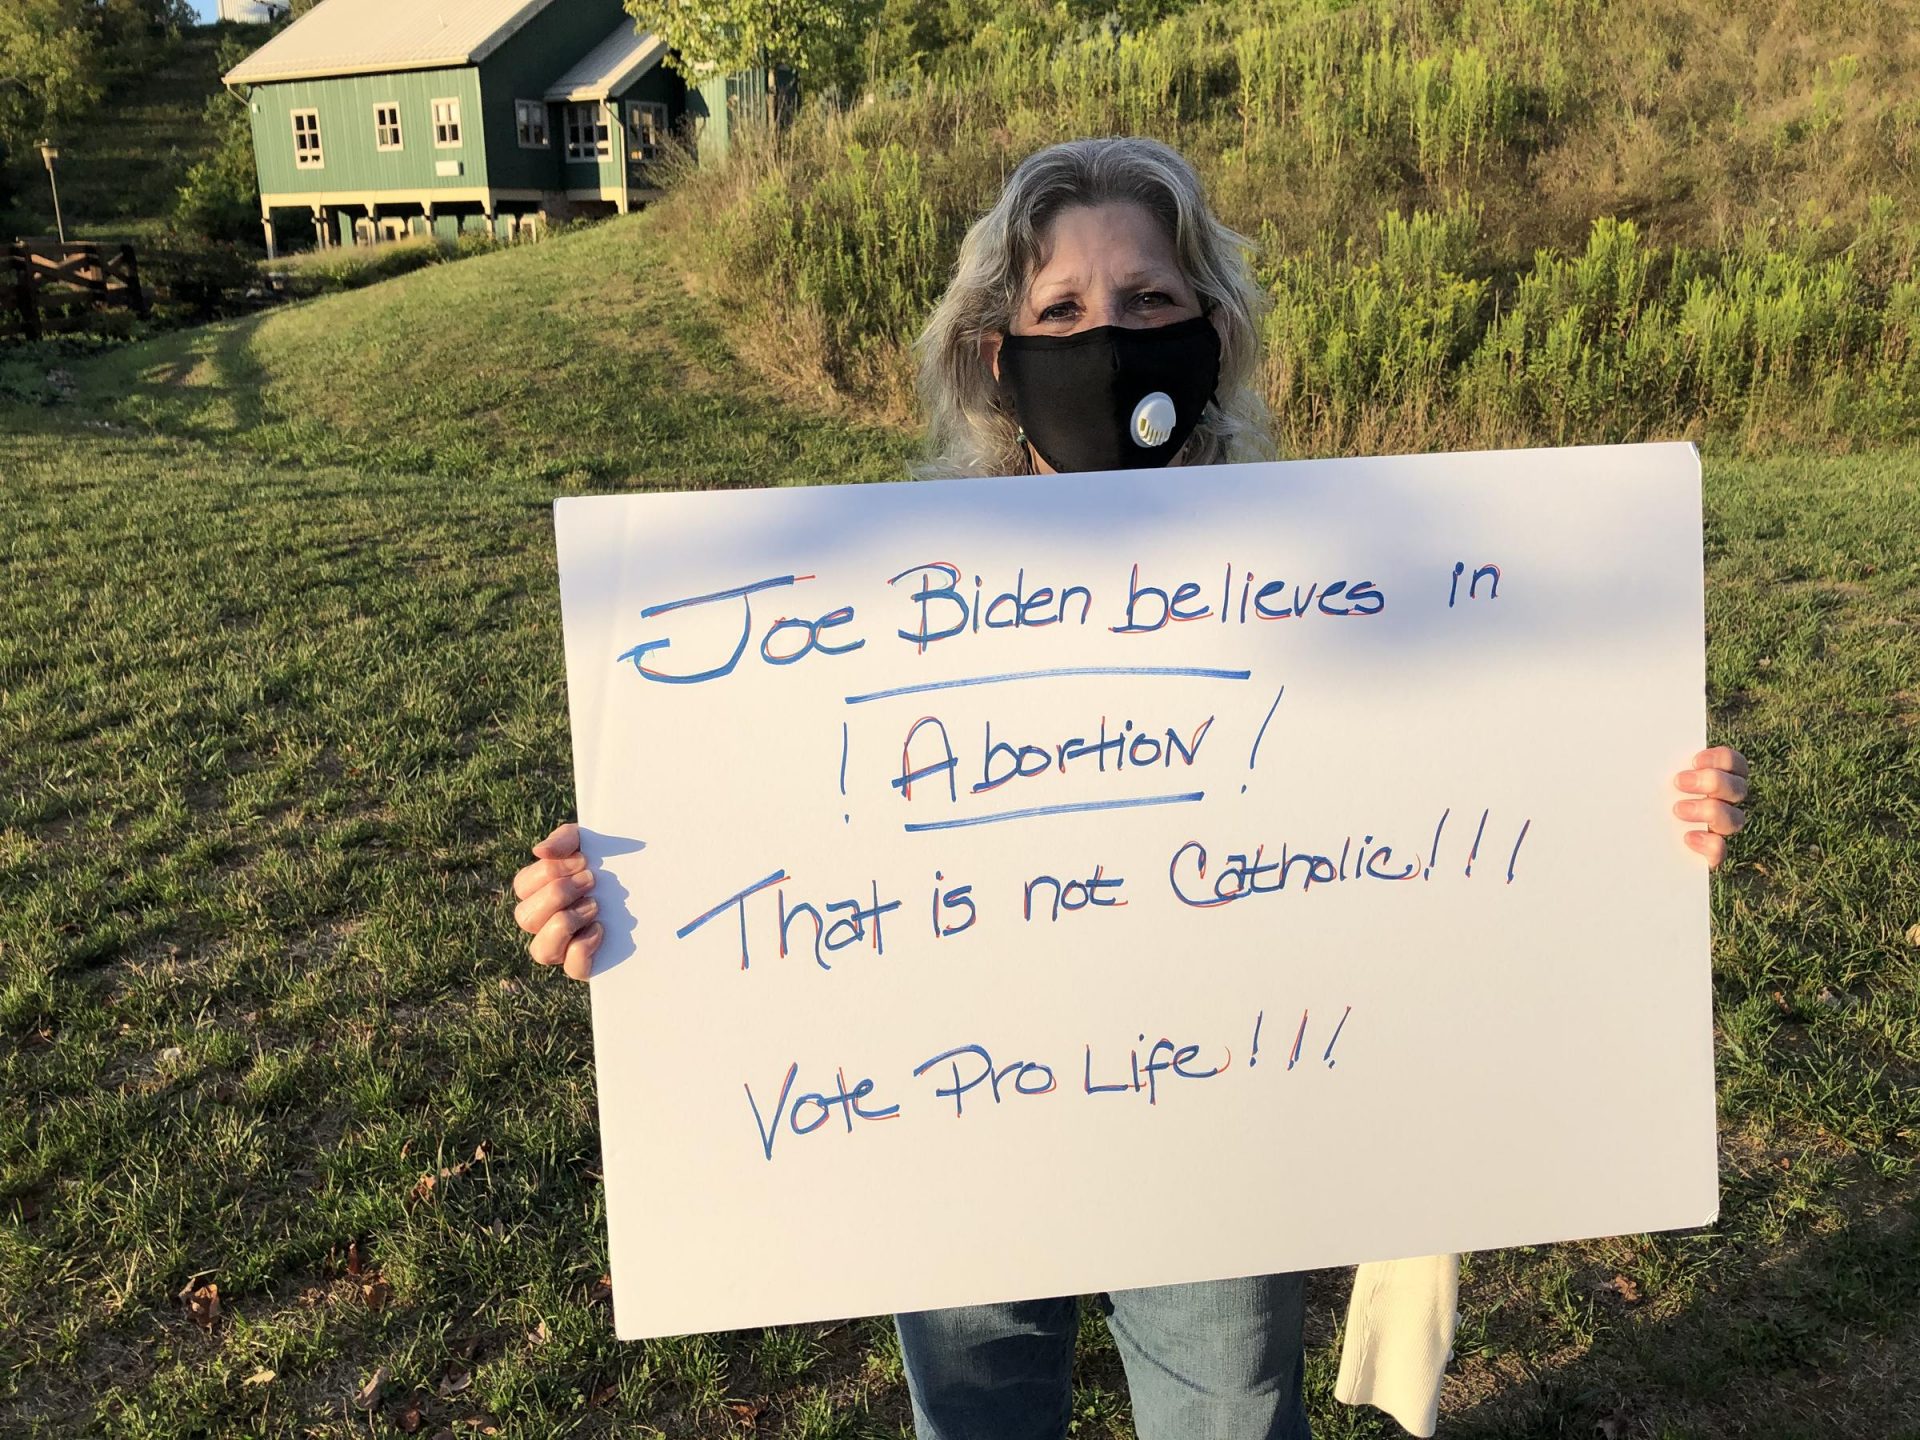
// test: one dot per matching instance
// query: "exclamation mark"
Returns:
(1513, 858)
(845, 818)
(1328, 1057)
(1298, 1036)
(1254, 1058)
(1434, 854)
(1254, 754)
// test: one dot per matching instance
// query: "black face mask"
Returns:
(1114, 397)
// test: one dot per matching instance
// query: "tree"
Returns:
(815, 38)
(220, 198)
(50, 68)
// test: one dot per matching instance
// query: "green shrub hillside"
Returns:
(1551, 221)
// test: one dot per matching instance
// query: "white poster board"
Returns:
(1183, 874)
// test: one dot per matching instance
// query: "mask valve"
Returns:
(1153, 420)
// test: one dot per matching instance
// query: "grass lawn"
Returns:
(282, 704)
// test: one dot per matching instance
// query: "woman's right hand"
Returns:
(556, 904)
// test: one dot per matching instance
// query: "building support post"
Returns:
(615, 120)
(266, 227)
(320, 237)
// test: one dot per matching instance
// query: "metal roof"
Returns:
(616, 62)
(368, 37)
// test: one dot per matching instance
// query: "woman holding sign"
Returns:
(1101, 317)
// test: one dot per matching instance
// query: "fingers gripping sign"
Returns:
(556, 905)
(1718, 782)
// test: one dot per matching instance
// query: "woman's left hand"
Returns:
(1718, 782)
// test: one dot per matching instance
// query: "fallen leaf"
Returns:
(353, 1257)
(423, 1187)
(539, 1334)
(602, 1291)
(749, 1413)
(203, 1302)
(1913, 934)
(603, 1394)
(172, 1055)
(457, 1382)
(409, 1420)
(483, 1151)
(1629, 1291)
(376, 1292)
(259, 1377)
(369, 1394)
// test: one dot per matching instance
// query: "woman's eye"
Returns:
(1150, 298)
(1059, 310)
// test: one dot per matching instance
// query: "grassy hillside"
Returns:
(119, 170)
(284, 704)
(577, 360)
(1479, 222)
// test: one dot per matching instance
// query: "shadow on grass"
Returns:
(1814, 1340)
(172, 392)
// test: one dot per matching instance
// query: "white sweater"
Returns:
(1400, 1324)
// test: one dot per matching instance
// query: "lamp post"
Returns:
(50, 152)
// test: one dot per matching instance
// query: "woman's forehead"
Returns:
(1119, 242)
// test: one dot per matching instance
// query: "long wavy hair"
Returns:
(971, 429)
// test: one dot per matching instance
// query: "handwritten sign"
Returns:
(1036, 886)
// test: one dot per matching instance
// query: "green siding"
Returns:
(352, 160)
(535, 56)
(722, 103)
(356, 170)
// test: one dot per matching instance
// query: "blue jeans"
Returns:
(1219, 1360)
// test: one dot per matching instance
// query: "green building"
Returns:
(383, 118)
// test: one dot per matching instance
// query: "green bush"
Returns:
(348, 267)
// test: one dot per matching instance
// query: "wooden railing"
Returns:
(46, 285)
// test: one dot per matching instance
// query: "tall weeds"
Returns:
(1439, 195)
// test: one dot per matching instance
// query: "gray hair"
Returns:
(970, 428)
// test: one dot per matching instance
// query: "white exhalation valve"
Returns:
(1153, 419)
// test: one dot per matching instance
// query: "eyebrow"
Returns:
(1137, 279)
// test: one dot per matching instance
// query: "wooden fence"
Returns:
(46, 285)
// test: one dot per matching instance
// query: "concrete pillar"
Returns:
(266, 226)
(320, 236)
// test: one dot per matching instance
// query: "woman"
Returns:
(1099, 277)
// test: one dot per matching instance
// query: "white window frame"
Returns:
(307, 157)
(381, 127)
(530, 116)
(592, 140)
(638, 110)
(446, 122)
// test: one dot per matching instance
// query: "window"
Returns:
(306, 140)
(646, 129)
(530, 119)
(386, 126)
(446, 124)
(587, 135)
